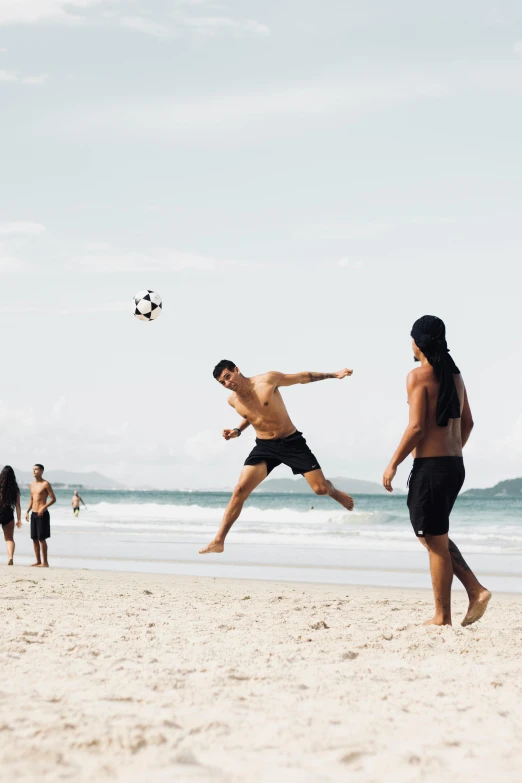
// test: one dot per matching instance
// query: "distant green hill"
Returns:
(511, 488)
(301, 486)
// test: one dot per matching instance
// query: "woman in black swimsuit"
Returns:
(9, 500)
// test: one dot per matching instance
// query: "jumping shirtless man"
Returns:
(258, 401)
(42, 496)
(439, 427)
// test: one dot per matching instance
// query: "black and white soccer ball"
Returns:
(147, 305)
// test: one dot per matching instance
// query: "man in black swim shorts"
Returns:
(439, 427)
(259, 402)
(42, 496)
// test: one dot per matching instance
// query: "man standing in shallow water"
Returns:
(260, 404)
(42, 496)
(439, 427)
(75, 503)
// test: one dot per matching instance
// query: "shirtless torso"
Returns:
(40, 493)
(439, 441)
(261, 405)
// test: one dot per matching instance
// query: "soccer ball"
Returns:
(147, 305)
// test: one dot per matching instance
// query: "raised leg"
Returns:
(441, 569)
(9, 541)
(478, 595)
(251, 476)
(322, 486)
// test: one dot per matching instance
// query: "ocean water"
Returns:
(279, 536)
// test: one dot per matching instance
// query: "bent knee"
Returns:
(240, 491)
(320, 489)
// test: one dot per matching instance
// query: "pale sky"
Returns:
(299, 181)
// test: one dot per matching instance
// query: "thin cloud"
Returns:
(58, 408)
(186, 18)
(205, 446)
(196, 26)
(15, 77)
(349, 230)
(35, 11)
(352, 263)
(233, 113)
(207, 114)
(211, 26)
(141, 24)
(8, 263)
(135, 261)
(21, 228)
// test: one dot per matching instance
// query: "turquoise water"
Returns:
(277, 536)
(378, 522)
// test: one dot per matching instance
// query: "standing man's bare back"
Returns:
(439, 427)
(259, 402)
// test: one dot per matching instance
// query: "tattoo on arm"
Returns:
(456, 556)
(320, 376)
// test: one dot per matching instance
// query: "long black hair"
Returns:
(429, 334)
(9, 491)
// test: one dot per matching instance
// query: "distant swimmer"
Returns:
(42, 496)
(9, 501)
(439, 427)
(259, 402)
(76, 500)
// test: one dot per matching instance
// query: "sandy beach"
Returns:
(131, 677)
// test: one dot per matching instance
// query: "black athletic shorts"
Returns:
(40, 526)
(292, 451)
(434, 485)
(6, 515)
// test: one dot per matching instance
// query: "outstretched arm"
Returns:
(283, 379)
(414, 431)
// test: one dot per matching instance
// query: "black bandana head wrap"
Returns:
(429, 333)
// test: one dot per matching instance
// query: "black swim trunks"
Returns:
(292, 451)
(434, 485)
(6, 515)
(40, 526)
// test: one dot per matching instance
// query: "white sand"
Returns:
(129, 677)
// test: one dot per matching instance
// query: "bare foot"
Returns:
(45, 565)
(437, 621)
(343, 498)
(349, 503)
(36, 565)
(477, 607)
(214, 546)
(10, 562)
